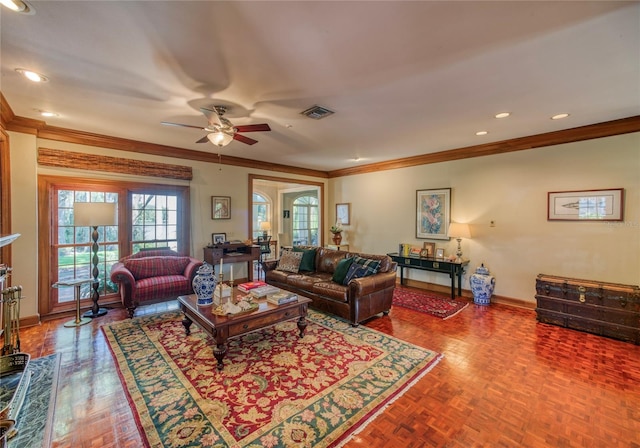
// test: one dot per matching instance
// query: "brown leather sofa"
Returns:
(361, 299)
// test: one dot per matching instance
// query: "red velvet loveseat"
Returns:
(152, 276)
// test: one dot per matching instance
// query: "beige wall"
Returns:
(510, 189)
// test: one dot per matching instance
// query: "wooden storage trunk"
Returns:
(605, 309)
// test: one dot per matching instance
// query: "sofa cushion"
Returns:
(290, 261)
(331, 290)
(368, 262)
(160, 287)
(341, 270)
(142, 268)
(357, 271)
(308, 262)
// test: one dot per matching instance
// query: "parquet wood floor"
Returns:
(505, 381)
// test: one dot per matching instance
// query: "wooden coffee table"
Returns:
(221, 328)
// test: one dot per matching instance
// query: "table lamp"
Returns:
(458, 231)
(265, 226)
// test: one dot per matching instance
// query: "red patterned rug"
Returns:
(427, 302)
(276, 390)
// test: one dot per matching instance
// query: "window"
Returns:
(305, 221)
(149, 215)
(261, 213)
(154, 221)
(73, 245)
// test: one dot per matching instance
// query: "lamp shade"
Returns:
(459, 230)
(265, 226)
(93, 214)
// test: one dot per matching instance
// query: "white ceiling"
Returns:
(404, 78)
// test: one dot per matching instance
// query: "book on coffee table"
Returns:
(263, 291)
(248, 286)
(282, 297)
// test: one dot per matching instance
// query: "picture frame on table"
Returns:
(433, 211)
(440, 253)
(343, 213)
(220, 207)
(218, 238)
(586, 205)
(428, 250)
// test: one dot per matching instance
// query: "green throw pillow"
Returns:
(341, 270)
(308, 262)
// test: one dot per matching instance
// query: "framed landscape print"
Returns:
(433, 208)
(588, 205)
(220, 207)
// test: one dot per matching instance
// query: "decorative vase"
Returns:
(482, 285)
(204, 283)
(337, 238)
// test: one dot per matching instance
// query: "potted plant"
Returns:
(337, 232)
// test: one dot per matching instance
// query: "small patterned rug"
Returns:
(427, 302)
(34, 423)
(276, 389)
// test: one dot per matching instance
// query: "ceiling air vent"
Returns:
(317, 112)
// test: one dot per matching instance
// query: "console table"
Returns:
(233, 253)
(435, 265)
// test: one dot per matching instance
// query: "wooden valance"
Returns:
(83, 161)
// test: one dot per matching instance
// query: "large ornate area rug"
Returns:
(427, 302)
(276, 389)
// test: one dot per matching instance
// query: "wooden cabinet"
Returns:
(605, 309)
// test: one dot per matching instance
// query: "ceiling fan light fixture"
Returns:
(18, 6)
(220, 138)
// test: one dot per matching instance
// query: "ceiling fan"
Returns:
(220, 130)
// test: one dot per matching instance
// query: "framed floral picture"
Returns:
(220, 207)
(433, 209)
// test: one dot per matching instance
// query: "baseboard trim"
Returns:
(30, 321)
(467, 295)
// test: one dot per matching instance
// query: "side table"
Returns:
(79, 320)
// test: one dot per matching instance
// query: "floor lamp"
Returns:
(94, 214)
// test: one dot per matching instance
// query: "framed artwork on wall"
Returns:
(588, 205)
(433, 210)
(343, 213)
(220, 207)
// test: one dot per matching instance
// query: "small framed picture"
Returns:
(428, 249)
(440, 253)
(343, 213)
(220, 207)
(218, 238)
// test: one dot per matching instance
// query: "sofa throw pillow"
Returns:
(341, 270)
(308, 262)
(290, 261)
(356, 271)
(368, 262)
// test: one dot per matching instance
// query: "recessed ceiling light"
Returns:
(45, 113)
(559, 116)
(31, 75)
(18, 6)
(482, 132)
(503, 115)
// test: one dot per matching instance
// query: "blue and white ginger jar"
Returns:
(482, 285)
(204, 283)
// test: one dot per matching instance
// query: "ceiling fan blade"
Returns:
(243, 139)
(204, 139)
(212, 116)
(181, 125)
(252, 127)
